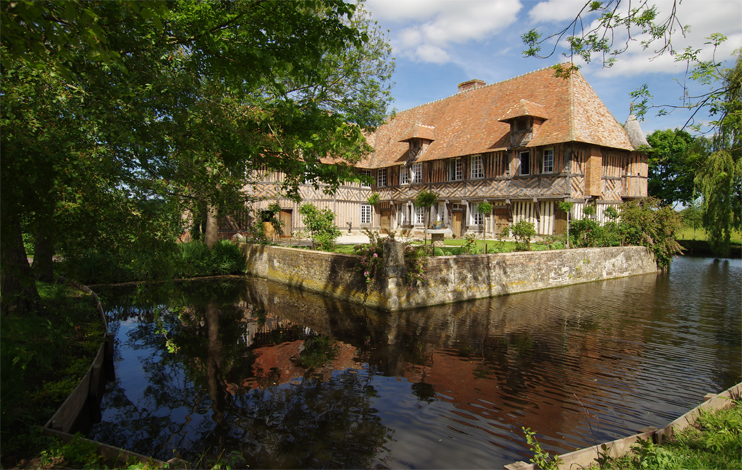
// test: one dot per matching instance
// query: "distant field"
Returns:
(700, 234)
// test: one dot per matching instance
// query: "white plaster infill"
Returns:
(583, 458)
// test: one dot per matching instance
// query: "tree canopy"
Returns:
(117, 115)
(673, 161)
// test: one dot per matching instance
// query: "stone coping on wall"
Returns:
(583, 458)
(447, 279)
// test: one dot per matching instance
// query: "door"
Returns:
(285, 218)
(458, 222)
(502, 218)
(386, 221)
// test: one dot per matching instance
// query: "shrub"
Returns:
(321, 226)
(523, 231)
(647, 222)
(585, 233)
(372, 255)
(197, 260)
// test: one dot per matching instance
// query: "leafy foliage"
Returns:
(321, 226)
(371, 253)
(416, 260)
(44, 356)
(184, 260)
(647, 222)
(714, 441)
(673, 160)
(523, 231)
(541, 458)
(111, 107)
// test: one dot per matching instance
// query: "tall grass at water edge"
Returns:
(171, 261)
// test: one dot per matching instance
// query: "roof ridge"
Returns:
(475, 89)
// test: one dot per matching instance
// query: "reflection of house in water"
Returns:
(502, 371)
(276, 346)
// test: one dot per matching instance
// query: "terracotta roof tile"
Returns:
(469, 123)
(525, 108)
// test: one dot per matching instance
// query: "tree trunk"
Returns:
(213, 363)
(18, 286)
(212, 227)
(42, 265)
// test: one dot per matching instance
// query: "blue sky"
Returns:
(438, 44)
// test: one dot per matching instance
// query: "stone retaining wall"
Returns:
(448, 279)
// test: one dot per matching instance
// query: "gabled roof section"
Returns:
(470, 123)
(419, 131)
(525, 108)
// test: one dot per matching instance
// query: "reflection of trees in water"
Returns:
(312, 423)
(185, 404)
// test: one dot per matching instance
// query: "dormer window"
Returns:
(524, 123)
(521, 117)
(418, 137)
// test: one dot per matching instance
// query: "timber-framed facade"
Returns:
(521, 145)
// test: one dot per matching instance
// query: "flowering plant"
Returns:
(372, 255)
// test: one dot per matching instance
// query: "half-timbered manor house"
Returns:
(522, 145)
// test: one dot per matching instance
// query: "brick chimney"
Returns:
(471, 85)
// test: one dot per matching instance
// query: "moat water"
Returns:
(263, 376)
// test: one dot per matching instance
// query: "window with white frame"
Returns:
(404, 175)
(477, 218)
(401, 214)
(365, 173)
(477, 167)
(548, 161)
(525, 163)
(381, 177)
(365, 214)
(417, 173)
(419, 215)
(455, 172)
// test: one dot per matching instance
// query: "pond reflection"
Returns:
(261, 375)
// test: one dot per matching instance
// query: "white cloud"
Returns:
(428, 29)
(553, 11)
(430, 53)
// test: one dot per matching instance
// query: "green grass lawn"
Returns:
(713, 442)
(700, 234)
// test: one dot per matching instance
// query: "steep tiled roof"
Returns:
(469, 123)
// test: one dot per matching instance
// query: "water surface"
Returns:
(269, 377)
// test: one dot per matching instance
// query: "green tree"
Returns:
(484, 208)
(426, 200)
(719, 178)
(523, 231)
(673, 161)
(178, 103)
(321, 226)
